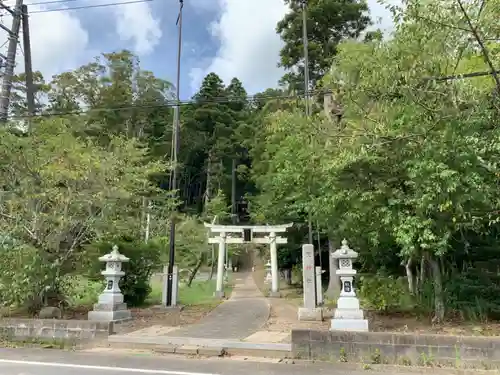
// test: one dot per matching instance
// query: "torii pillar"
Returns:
(275, 281)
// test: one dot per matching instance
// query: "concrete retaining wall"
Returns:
(74, 330)
(397, 348)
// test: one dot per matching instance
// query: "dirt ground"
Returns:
(147, 317)
(284, 310)
(142, 317)
(284, 317)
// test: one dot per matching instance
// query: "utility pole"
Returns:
(305, 41)
(175, 149)
(234, 213)
(28, 69)
(11, 57)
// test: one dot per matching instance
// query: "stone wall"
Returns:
(397, 348)
(50, 329)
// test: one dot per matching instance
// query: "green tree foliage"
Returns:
(212, 138)
(61, 192)
(407, 170)
(412, 166)
(329, 22)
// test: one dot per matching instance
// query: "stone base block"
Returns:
(360, 325)
(274, 294)
(310, 315)
(218, 294)
(348, 314)
(351, 303)
(110, 298)
(176, 308)
(110, 316)
(109, 307)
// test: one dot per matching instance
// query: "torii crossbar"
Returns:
(223, 236)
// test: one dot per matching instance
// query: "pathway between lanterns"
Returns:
(244, 313)
(240, 316)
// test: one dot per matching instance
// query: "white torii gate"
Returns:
(222, 238)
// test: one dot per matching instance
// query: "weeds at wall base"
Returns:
(55, 343)
(425, 360)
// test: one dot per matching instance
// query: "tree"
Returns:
(209, 127)
(118, 96)
(413, 160)
(328, 23)
(410, 169)
(60, 193)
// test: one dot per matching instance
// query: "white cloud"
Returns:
(201, 6)
(57, 48)
(249, 46)
(135, 23)
(59, 42)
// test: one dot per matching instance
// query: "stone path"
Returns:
(240, 316)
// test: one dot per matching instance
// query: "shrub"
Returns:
(474, 293)
(384, 293)
(24, 273)
(144, 260)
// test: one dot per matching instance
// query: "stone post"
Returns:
(309, 312)
(110, 306)
(319, 287)
(219, 290)
(275, 282)
(175, 287)
(164, 283)
(348, 316)
(268, 278)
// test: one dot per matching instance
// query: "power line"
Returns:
(53, 2)
(171, 104)
(90, 6)
(225, 100)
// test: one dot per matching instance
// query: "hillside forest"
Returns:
(400, 156)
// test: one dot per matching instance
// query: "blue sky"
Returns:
(230, 37)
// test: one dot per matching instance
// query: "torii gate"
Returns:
(222, 238)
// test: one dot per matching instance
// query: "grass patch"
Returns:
(200, 292)
(82, 291)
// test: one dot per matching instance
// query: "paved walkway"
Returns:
(236, 318)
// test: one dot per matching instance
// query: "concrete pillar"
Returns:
(319, 287)
(219, 290)
(175, 286)
(164, 283)
(275, 292)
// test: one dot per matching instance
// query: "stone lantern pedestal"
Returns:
(110, 306)
(348, 316)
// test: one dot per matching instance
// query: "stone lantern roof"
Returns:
(345, 252)
(114, 256)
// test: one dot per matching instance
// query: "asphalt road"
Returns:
(54, 362)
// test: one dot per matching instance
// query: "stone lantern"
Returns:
(348, 316)
(110, 306)
(269, 275)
